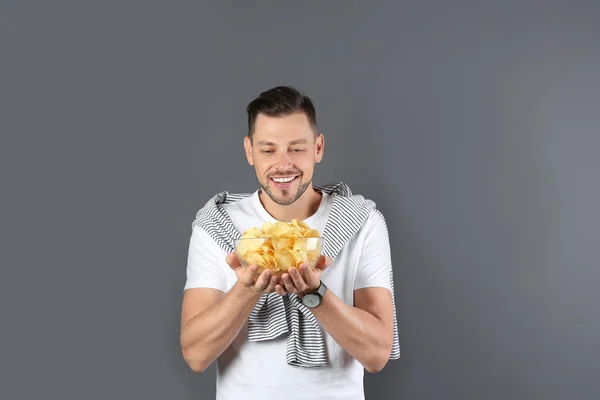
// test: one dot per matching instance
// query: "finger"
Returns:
(263, 279)
(288, 284)
(272, 282)
(298, 279)
(323, 262)
(280, 290)
(250, 274)
(232, 260)
(310, 277)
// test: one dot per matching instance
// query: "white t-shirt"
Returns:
(258, 370)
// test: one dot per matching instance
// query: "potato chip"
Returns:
(284, 257)
(311, 233)
(265, 228)
(252, 245)
(282, 243)
(279, 245)
(279, 229)
(269, 261)
(300, 257)
(254, 258)
(300, 246)
(252, 233)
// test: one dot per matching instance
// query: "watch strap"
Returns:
(321, 289)
(320, 292)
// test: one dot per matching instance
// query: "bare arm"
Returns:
(365, 331)
(210, 319)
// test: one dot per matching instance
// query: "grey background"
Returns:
(474, 125)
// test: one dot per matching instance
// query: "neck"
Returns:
(301, 209)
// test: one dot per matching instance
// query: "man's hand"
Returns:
(303, 280)
(249, 278)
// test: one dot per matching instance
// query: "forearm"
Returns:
(361, 334)
(208, 334)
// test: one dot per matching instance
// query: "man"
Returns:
(306, 334)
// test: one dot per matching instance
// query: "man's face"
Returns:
(284, 152)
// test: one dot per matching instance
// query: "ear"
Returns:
(319, 147)
(248, 150)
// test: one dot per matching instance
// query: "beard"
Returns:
(287, 198)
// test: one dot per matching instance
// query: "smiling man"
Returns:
(306, 334)
(284, 150)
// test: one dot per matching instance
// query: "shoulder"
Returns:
(200, 238)
(223, 201)
(374, 224)
(242, 203)
(357, 209)
(375, 227)
(375, 218)
(203, 249)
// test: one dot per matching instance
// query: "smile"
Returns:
(284, 180)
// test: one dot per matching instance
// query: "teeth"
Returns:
(284, 180)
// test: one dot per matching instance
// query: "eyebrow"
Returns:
(293, 142)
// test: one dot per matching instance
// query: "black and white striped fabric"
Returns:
(276, 315)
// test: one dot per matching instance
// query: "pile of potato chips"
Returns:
(280, 245)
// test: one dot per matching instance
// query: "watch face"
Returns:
(311, 300)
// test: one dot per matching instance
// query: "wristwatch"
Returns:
(312, 300)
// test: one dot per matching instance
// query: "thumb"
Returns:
(232, 260)
(323, 262)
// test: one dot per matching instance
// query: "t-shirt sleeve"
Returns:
(374, 264)
(205, 263)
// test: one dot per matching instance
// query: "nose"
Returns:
(284, 161)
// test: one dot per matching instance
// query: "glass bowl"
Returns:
(279, 253)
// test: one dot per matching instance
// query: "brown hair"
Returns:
(280, 101)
